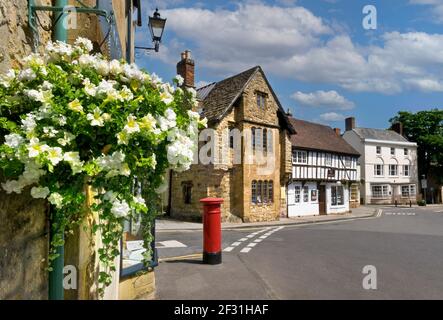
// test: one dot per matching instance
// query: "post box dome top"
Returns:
(211, 200)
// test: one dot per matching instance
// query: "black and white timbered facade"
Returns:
(325, 171)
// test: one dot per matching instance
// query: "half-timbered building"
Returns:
(324, 171)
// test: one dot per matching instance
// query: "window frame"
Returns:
(300, 154)
(376, 170)
(382, 194)
(392, 151)
(297, 192)
(377, 149)
(391, 171)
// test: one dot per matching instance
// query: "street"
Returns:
(316, 261)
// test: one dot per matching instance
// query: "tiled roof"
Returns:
(379, 134)
(319, 137)
(218, 97)
(223, 94)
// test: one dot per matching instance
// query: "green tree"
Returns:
(426, 129)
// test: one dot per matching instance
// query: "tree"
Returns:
(426, 129)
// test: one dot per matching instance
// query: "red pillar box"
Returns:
(212, 230)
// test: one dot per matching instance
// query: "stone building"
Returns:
(250, 159)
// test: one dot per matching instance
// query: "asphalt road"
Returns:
(321, 261)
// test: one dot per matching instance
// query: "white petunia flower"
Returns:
(96, 118)
(120, 209)
(13, 140)
(131, 125)
(26, 74)
(179, 80)
(56, 199)
(84, 44)
(76, 106)
(90, 88)
(7, 78)
(40, 192)
(29, 123)
(35, 148)
(115, 67)
(55, 155)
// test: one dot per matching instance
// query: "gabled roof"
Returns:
(379, 134)
(219, 97)
(319, 137)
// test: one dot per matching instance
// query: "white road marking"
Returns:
(235, 244)
(263, 237)
(258, 240)
(252, 244)
(229, 249)
(245, 250)
(171, 244)
(243, 239)
(249, 237)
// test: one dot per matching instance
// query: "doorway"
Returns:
(322, 200)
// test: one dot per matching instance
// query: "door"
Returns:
(322, 200)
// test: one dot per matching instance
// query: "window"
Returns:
(393, 169)
(254, 192)
(187, 192)
(337, 193)
(378, 169)
(405, 151)
(378, 150)
(380, 191)
(271, 191)
(262, 191)
(314, 195)
(347, 162)
(393, 151)
(231, 137)
(406, 170)
(270, 140)
(408, 191)
(259, 192)
(265, 140)
(261, 100)
(299, 157)
(265, 191)
(328, 160)
(297, 194)
(305, 194)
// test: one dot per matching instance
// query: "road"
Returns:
(320, 261)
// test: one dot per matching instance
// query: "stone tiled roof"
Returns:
(319, 137)
(217, 98)
(379, 134)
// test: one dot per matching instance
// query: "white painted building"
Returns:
(324, 171)
(388, 164)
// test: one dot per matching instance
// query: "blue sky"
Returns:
(321, 62)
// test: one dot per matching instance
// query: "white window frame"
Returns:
(300, 157)
(376, 170)
(297, 194)
(408, 191)
(378, 149)
(339, 198)
(391, 171)
(408, 166)
(383, 193)
(392, 151)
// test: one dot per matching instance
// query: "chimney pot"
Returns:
(337, 131)
(186, 69)
(350, 123)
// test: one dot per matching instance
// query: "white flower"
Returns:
(110, 196)
(192, 92)
(126, 94)
(166, 97)
(67, 138)
(27, 74)
(55, 155)
(86, 60)
(147, 122)
(13, 140)
(84, 43)
(35, 148)
(105, 87)
(139, 200)
(122, 137)
(12, 186)
(33, 60)
(7, 78)
(115, 67)
(73, 158)
(40, 192)
(76, 106)
(102, 67)
(56, 199)
(120, 208)
(90, 88)
(29, 123)
(97, 118)
(179, 80)
(132, 125)
(46, 86)
(62, 120)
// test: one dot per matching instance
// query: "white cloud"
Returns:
(327, 99)
(332, 117)
(437, 8)
(293, 42)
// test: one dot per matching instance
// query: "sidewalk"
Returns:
(170, 225)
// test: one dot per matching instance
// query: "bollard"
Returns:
(212, 230)
(396, 203)
(410, 204)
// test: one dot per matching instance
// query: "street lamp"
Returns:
(156, 27)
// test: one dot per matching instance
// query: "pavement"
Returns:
(325, 260)
(170, 225)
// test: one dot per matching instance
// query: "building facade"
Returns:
(388, 164)
(250, 156)
(324, 171)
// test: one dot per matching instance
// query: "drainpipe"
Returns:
(55, 290)
(129, 32)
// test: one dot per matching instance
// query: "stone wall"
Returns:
(23, 227)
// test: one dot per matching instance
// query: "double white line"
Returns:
(253, 243)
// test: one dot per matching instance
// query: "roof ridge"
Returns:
(240, 73)
(314, 123)
(207, 85)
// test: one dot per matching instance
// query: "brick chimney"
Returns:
(397, 127)
(185, 68)
(349, 123)
(337, 131)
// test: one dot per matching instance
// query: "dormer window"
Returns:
(261, 99)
